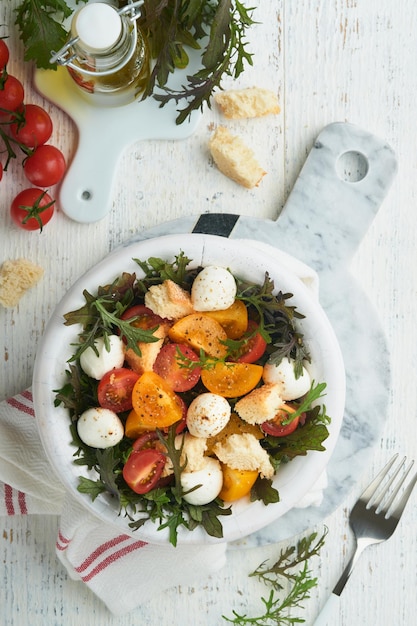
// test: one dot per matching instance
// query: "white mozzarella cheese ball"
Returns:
(213, 289)
(210, 477)
(207, 415)
(97, 364)
(100, 428)
(290, 387)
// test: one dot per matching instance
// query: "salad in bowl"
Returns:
(192, 394)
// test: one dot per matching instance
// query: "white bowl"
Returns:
(293, 480)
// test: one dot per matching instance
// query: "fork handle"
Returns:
(329, 614)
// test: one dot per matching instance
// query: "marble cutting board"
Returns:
(336, 196)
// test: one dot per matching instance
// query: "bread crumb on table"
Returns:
(247, 103)
(234, 159)
(16, 277)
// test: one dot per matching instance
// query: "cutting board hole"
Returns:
(352, 166)
(86, 195)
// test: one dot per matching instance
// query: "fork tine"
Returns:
(404, 499)
(396, 491)
(373, 486)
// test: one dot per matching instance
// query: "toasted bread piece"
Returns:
(260, 405)
(169, 300)
(235, 426)
(16, 277)
(150, 351)
(234, 159)
(244, 452)
(247, 103)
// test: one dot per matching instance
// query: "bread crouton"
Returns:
(169, 300)
(149, 351)
(16, 277)
(234, 159)
(247, 103)
(244, 452)
(260, 405)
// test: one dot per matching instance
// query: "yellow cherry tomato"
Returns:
(234, 319)
(231, 380)
(236, 483)
(201, 332)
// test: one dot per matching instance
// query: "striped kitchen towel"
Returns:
(121, 570)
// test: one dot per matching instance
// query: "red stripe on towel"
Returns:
(99, 551)
(8, 499)
(14, 402)
(112, 558)
(21, 498)
(62, 542)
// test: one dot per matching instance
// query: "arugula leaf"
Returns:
(93, 488)
(277, 611)
(263, 490)
(41, 30)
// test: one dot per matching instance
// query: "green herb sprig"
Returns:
(291, 567)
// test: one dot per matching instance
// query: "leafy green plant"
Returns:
(172, 28)
(291, 568)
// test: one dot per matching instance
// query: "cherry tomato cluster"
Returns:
(27, 128)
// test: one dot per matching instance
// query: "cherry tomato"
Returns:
(4, 54)
(231, 380)
(11, 94)
(236, 483)
(276, 428)
(168, 366)
(1, 171)
(143, 469)
(45, 167)
(147, 440)
(35, 128)
(32, 209)
(155, 405)
(114, 390)
(234, 320)
(254, 346)
(201, 332)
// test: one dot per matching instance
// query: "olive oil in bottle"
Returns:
(106, 55)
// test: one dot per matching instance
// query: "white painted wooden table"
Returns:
(329, 60)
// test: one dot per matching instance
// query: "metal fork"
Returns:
(373, 519)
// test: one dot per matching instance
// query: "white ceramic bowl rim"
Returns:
(293, 480)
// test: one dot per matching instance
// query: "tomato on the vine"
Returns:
(11, 93)
(34, 126)
(45, 167)
(114, 390)
(32, 209)
(4, 54)
(143, 469)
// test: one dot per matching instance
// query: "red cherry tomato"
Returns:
(35, 128)
(143, 469)
(147, 440)
(147, 319)
(11, 94)
(45, 167)
(114, 390)
(4, 54)
(276, 428)
(168, 366)
(254, 347)
(32, 209)
(1, 171)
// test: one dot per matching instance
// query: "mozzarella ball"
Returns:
(290, 387)
(207, 415)
(210, 477)
(97, 364)
(213, 289)
(100, 428)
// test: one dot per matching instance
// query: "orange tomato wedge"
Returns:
(236, 483)
(234, 320)
(155, 405)
(231, 380)
(201, 332)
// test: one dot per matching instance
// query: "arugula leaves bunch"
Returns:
(216, 27)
